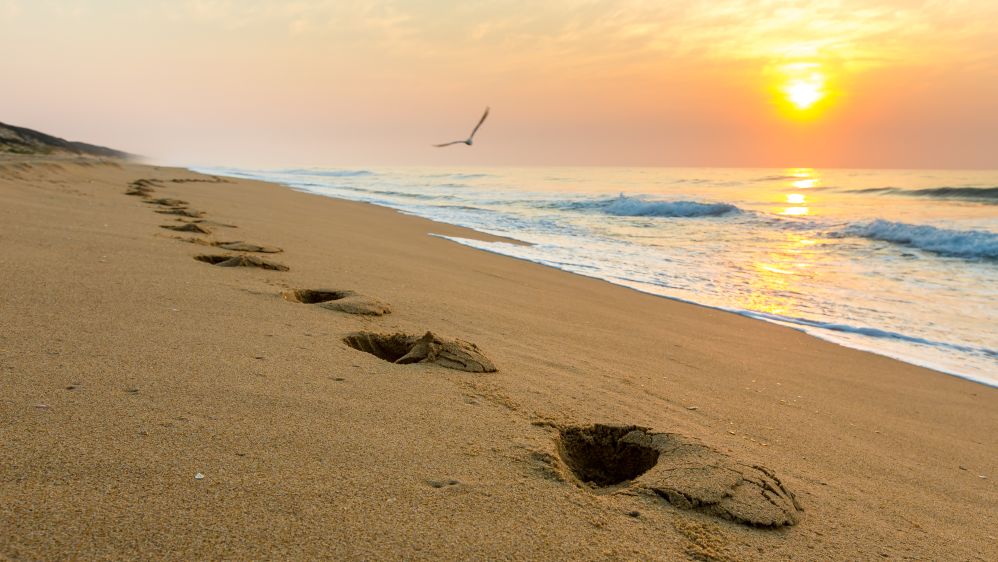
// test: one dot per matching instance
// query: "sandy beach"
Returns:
(158, 406)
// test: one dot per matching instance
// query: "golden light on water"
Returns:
(779, 274)
(800, 178)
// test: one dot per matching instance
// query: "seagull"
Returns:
(471, 136)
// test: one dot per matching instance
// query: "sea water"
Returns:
(903, 263)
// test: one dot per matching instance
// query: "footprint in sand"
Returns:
(206, 222)
(167, 202)
(240, 246)
(181, 212)
(234, 245)
(142, 188)
(209, 179)
(428, 348)
(202, 226)
(679, 470)
(341, 301)
(222, 260)
(188, 227)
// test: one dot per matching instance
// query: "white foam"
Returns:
(974, 244)
(624, 206)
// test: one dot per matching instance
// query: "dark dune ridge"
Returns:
(19, 140)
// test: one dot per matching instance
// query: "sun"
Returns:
(801, 85)
(803, 94)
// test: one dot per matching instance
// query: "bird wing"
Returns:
(448, 143)
(480, 121)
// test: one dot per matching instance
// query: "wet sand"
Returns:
(129, 367)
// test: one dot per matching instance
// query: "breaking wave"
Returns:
(971, 244)
(624, 206)
(978, 194)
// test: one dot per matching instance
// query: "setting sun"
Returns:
(802, 84)
(803, 94)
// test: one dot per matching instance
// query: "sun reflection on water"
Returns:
(779, 278)
(799, 178)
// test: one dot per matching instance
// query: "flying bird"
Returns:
(471, 136)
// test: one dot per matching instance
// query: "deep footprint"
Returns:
(210, 179)
(235, 245)
(166, 202)
(240, 246)
(428, 348)
(241, 261)
(181, 211)
(141, 188)
(188, 227)
(681, 471)
(342, 301)
(598, 456)
(207, 222)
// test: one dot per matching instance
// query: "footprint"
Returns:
(681, 471)
(342, 301)
(209, 179)
(141, 188)
(241, 261)
(181, 211)
(234, 245)
(188, 227)
(166, 202)
(240, 246)
(213, 223)
(429, 348)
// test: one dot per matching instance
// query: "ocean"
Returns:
(903, 263)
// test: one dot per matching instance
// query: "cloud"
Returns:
(9, 9)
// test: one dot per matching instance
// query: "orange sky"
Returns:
(627, 82)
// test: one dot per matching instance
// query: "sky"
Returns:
(263, 83)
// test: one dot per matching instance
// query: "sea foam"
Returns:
(971, 244)
(624, 206)
(976, 194)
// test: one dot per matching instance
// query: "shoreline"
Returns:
(131, 366)
(743, 313)
(813, 329)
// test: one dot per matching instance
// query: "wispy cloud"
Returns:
(9, 8)
(609, 67)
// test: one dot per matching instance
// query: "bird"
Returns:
(471, 136)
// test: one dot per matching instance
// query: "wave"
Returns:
(779, 178)
(978, 194)
(624, 206)
(461, 176)
(407, 195)
(341, 173)
(325, 173)
(864, 331)
(971, 244)
(693, 180)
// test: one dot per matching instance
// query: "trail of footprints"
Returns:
(677, 470)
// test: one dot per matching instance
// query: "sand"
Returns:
(128, 367)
